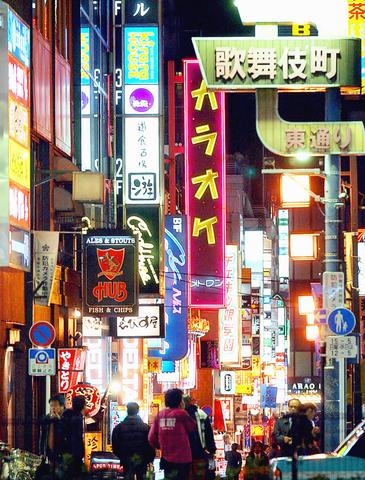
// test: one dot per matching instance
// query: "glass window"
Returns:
(41, 17)
(62, 26)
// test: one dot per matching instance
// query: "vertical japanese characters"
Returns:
(205, 187)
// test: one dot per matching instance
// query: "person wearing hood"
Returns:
(201, 440)
(130, 444)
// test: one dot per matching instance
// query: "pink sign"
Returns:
(205, 189)
(71, 364)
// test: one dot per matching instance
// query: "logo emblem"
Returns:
(110, 262)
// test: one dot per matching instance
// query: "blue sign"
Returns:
(18, 38)
(175, 344)
(341, 321)
(42, 362)
(141, 55)
(268, 396)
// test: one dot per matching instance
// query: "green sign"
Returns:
(316, 138)
(242, 63)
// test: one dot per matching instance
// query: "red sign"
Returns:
(71, 364)
(204, 123)
(18, 80)
(19, 206)
(110, 262)
(91, 394)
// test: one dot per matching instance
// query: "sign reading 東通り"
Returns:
(205, 188)
(246, 63)
(110, 273)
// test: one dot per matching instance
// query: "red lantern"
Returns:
(91, 394)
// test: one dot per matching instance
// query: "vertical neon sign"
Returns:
(205, 189)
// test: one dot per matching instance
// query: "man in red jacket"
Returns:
(169, 433)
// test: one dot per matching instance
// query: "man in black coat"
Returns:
(130, 444)
(73, 428)
(51, 431)
(285, 430)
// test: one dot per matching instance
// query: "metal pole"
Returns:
(334, 404)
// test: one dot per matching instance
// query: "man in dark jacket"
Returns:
(130, 444)
(285, 429)
(73, 427)
(201, 440)
(51, 431)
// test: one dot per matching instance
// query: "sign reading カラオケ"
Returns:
(110, 273)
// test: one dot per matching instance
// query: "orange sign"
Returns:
(93, 443)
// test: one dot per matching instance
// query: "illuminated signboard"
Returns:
(131, 371)
(230, 328)
(70, 364)
(141, 55)
(85, 55)
(15, 161)
(141, 100)
(142, 160)
(144, 223)
(356, 29)
(141, 12)
(241, 63)
(283, 230)
(110, 273)
(205, 188)
(175, 344)
(148, 324)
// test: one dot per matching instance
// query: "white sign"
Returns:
(228, 383)
(147, 325)
(141, 99)
(230, 332)
(41, 362)
(92, 327)
(341, 347)
(333, 290)
(45, 249)
(330, 16)
(142, 160)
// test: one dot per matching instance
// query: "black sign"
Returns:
(141, 11)
(246, 301)
(144, 222)
(110, 273)
(209, 357)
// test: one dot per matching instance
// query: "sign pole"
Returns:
(333, 403)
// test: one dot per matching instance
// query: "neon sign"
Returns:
(205, 187)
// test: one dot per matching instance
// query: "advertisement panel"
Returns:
(18, 38)
(175, 344)
(19, 206)
(204, 123)
(141, 55)
(141, 100)
(356, 29)
(142, 160)
(144, 222)
(45, 253)
(148, 324)
(141, 12)
(70, 364)
(110, 273)
(230, 326)
(131, 371)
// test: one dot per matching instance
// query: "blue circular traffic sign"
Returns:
(42, 334)
(341, 321)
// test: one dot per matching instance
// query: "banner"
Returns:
(71, 364)
(45, 252)
(110, 273)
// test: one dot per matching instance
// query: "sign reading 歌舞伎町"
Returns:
(110, 273)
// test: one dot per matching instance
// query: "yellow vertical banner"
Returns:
(93, 443)
(356, 25)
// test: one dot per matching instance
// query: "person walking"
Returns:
(285, 429)
(73, 435)
(257, 463)
(130, 444)
(51, 432)
(305, 431)
(170, 434)
(234, 462)
(201, 440)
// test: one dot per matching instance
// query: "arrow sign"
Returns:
(42, 334)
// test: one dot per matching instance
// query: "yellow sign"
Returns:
(19, 122)
(257, 431)
(93, 443)
(243, 389)
(256, 366)
(154, 365)
(19, 164)
(356, 24)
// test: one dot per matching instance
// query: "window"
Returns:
(41, 17)
(62, 27)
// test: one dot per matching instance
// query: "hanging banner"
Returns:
(110, 273)
(93, 443)
(175, 344)
(45, 252)
(230, 324)
(204, 123)
(131, 371)
(148, 324)
(71, 364)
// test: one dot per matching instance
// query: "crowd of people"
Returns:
(183, 434)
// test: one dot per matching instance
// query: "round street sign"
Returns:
(42, 334)
(341, 321)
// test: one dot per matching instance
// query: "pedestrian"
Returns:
(130, 444)
(201, 440)
(170, 434)
(305, 432)
(257, 463)
(51, 431)
(73, 435)
(234, 462)
(284, 429)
